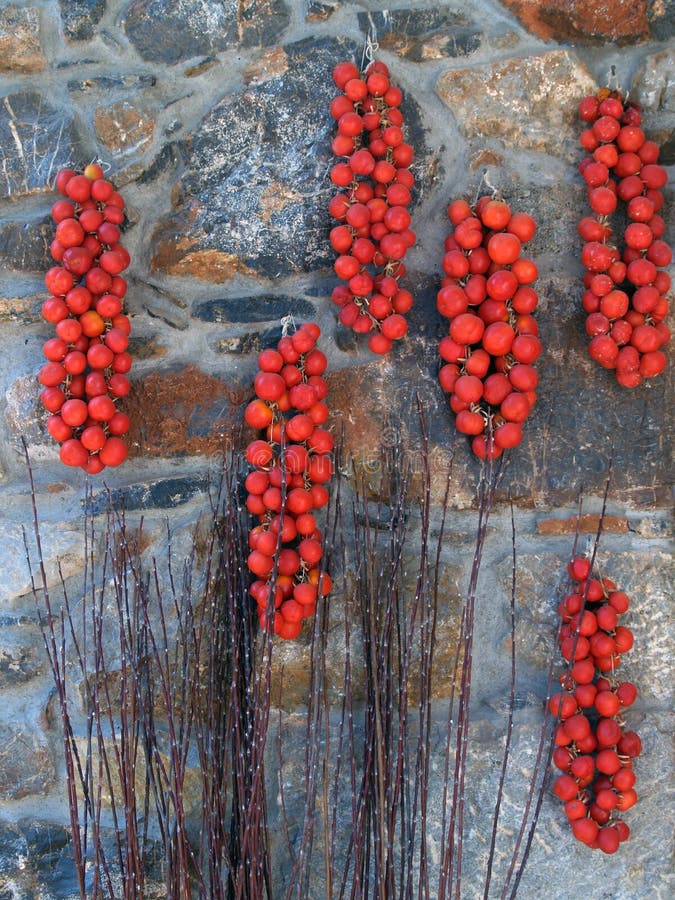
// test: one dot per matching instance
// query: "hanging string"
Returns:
(287, 322)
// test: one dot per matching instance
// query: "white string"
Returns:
(484, 180)
(287, 322)
(370, 48)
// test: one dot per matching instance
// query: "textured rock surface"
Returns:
(191, 27)
(80, 18)
(528, 103)
(26, 765)
(213, 119)
(594, 22)
(20, 49)
(422, 34)
(37, 139)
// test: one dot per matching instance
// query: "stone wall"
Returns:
(212, 118)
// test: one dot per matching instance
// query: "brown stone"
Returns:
(271, 64)
(24, 309)
(210, 265)
(20, 49)
(181, 413)
(123, 128)
(528, 103)
(584, 21)
(585, 524)
(26, 765)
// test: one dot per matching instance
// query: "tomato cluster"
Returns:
(373, 234)
(292, 465)
(87, 366)
(493, 339)
(625, 297)
(593, 750)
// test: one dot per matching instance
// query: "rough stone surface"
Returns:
(186, 412)
(62, 549)
(583, 22)
(80, 18)
(37, 139)
(20, 659)
(20, 49)
(26, 765)
(528, 103)
(124, 129)
(25, 245)
(249, 309)
(214, 120)
(422, 34)
(273, 231)
(36, 860)
(194, 27)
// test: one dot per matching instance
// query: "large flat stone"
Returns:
(36, 140)
(254, 195)
(528, 103)
(587, 21)
(422, 34)
(172, 32)
(20, 48)
(182, 413)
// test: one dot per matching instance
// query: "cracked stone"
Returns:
(254, 195)
(36, 140)
(123, 128)
(20, 49)
(171, 33)
(26, 765)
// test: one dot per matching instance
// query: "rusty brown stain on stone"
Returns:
(583, 21)
(20, 49)
(209, 265)
(276, 197)
(272, 64)
(585, 524)
(186, 412)
(486, 158)
(124, 128)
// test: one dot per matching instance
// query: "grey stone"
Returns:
(36, 140)
(25, 245)
(26, 765)
(20, 659)
(80, 18)
(250, 342)
(253, 309)
(106, 83)
(421, 34)
(170, 33)
(255, 192)
(165, 494)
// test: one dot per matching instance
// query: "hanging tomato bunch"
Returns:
(493, 339)
(292, 465)
(373, 234)
(625, 298)
(593, 750)
(88, 362)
